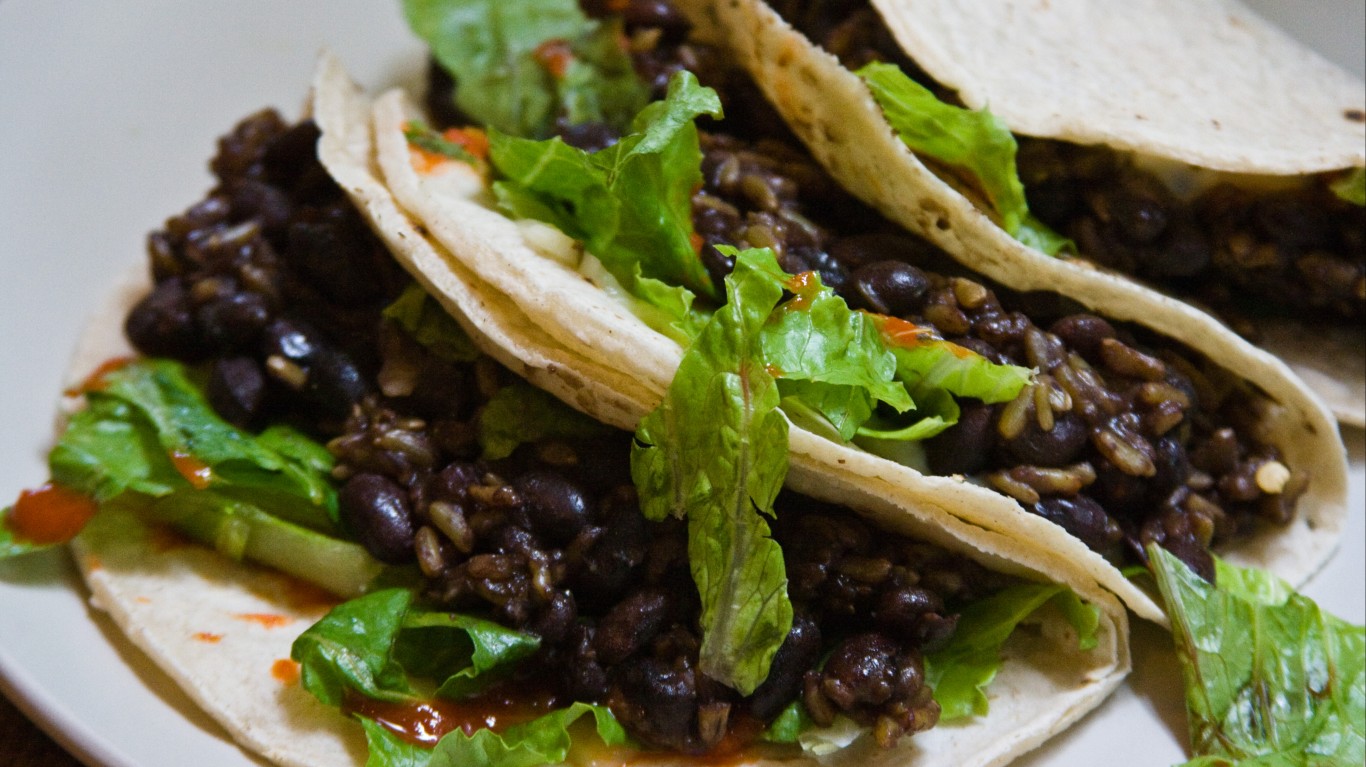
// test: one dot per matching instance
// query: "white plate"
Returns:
(108, 115)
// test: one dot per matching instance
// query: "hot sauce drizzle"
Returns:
(195, 471)
(50, 514)
(98, 379)
(285, 671)
(423, 723)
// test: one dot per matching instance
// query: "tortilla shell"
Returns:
(1206, 82)
(222, 630)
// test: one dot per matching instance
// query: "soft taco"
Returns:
(1194, 147)
(506, 602)
(1088, 423)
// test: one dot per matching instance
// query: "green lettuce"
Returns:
(493, 50)
(629, 204)
(430, 325)
(373, 644)
(1270, 678)
(960, 671)
(266, 497)
(715, 452)
(519, 413)
(973, 142)
(1352, 187)
(376, 645)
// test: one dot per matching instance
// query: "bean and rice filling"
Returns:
(1247, 254)
(276, 287)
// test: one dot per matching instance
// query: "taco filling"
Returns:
(1121, 438)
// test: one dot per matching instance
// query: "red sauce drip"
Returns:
(422, 723)
(98, 380)
(696, 241)
(554, 56)
(285, 671)
(207, 637)
(908, 335)
(774, 371)
(806, 285)
(267, 620)
(50, 514)
(474, 140)
(195, 471)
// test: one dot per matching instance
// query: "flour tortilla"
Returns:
(830, 109)
(1217, 87)
(219, 628)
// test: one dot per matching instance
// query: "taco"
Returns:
(501, 582)
(1193, 147)
(1109, 445)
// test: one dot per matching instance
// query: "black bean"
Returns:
(233, 321)
(376, 511)
(631, 624)
(1138, 212)
(797, 655)
(589, 136)
(237, 390)
(335, 384)
(1083, 518)
(557, 508)
(336, 256)
(667, 693)
(862, 671)
(162, 323)
(554, 622)
(862, 249)
(889, 287)
(899, 610)
(655, 13)
(1083, 332)
(1183, 252)
(291, 339)
(1057, 446)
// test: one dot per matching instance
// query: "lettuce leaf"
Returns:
(629, 204)
(960, 671)
(148, 440)
(715, 452)
(1270, 678)
(973, 142)
(430, 325)
(520, 413)
(1351, 187)
(506, 78)
(375, 644)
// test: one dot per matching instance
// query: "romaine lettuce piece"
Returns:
(715, 452)
(519, 65)
(1270, 678)
(972, 142)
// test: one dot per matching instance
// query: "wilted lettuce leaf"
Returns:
(461, 653)
(629, 204)
(1270, 678)
(506, 77)
(1352, 187)
(960, 671)
(430, 325)
(974, 142)
(715, 451)
(519, 413)
(351, 648)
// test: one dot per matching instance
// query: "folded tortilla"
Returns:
(222, 630)
(1205, 84)
(524, 262)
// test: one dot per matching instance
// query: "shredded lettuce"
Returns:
(631, 203)
(715, 452)
(1352, 187)
(521, 413)
(519, 65)
(960, 672)
(1270, 678)
(973, 142)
